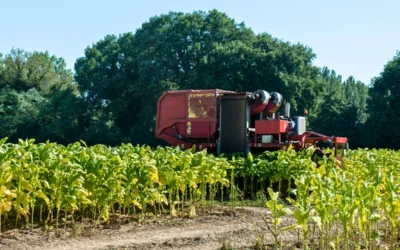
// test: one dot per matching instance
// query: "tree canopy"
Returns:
(30, 84)
(384, 107)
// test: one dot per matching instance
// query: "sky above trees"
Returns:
(352, 37)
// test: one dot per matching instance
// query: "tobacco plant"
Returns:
(346, 205)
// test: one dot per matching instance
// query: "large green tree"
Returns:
(19, 113)
(23, 70)
(384, 107)
(31, 84)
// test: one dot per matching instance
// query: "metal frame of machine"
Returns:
(219, 120)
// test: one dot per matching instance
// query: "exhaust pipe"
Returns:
(287, 110)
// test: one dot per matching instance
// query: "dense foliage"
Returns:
(38, 98)
(384, 106)
(354, 204)
(349, 204)
(51, 178)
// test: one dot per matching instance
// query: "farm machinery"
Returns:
(234, 122)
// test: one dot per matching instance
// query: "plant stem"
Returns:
(65, 222)
(321, 237)
(305, 239)
(33, 210)
(58, 211)
(40, 217)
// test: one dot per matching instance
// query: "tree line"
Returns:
(111, 97)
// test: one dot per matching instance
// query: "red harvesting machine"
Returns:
(234, 122)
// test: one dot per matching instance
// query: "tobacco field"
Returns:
(352, 204)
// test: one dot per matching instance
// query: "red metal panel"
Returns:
(193, 113)
(341, 140)
(201, 130)
(270, 127)
(173, 107)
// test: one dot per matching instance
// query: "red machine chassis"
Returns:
(188, 118)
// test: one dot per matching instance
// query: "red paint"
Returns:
(173, 111)
(194, 114)
(270, 127)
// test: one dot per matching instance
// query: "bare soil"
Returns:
(216, 228)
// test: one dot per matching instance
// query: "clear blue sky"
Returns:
(352, 37)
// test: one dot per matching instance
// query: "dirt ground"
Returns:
(217, 228)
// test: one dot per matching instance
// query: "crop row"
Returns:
(349, 204)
